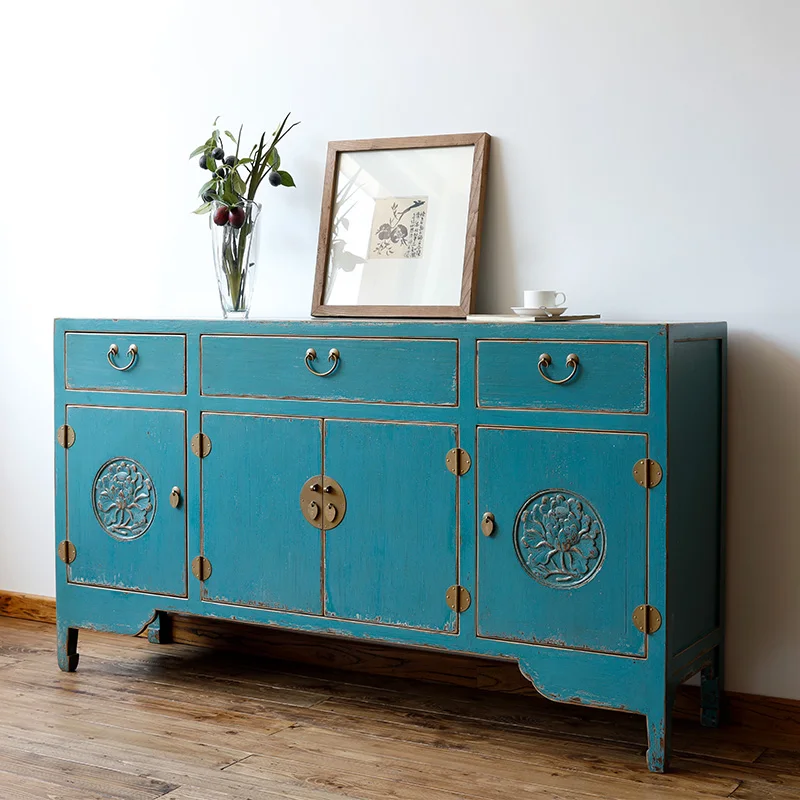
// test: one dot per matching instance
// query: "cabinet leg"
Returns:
(659, 736)
(67, 647)
(159, 631)
(711, 693)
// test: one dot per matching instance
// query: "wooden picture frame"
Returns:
(470, 199)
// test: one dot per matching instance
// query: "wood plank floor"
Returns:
(140, 721)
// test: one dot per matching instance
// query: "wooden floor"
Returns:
(141, 721)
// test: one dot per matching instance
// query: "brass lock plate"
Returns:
(67, 552)
(458, 461)
(175, 497)
(201, 568)
(458, 598)
(323, 502)
(647, 473)
(65, 436)
(201, 445)
(647, 619)
(487, 524)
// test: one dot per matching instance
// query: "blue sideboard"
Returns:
(546, 493)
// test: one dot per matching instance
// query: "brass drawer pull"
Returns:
(546, 361)
(311, 355)
(113, 352)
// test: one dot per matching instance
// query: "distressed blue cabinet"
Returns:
(261, 550)
(119, 477)
(550, 494)
(396, 547)
(579, 533)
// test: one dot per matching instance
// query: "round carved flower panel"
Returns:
(124, 498)
(559, 539)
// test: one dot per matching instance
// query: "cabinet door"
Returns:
(120, 472)
(566, 562)
(262, 550)
(393, 556)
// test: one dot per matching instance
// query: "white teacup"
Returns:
(535, 298)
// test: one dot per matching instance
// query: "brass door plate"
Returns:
(458, 598)
(201, 445)
(487, 524)
(323, 502)
(175, 497)
(67, 552)
(201, 568)
(65, 436)
(647, 619)
(647, 473)
(458, 461)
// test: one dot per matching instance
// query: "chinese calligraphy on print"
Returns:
(398, 227)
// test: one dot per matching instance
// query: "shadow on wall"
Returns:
(498, 257)
(763, 536)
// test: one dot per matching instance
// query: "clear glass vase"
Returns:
(235, 246)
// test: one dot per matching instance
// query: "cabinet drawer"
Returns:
(608, 376)
(157, 366)
(407, 371)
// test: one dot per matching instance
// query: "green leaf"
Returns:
(238, 184)
(198, 150)
(231, 137)
(216, 119)
(210, 163)
(208, 186)
(286, 178)
(228, 197)
(273, 159)
(203, 209)
(244, 161)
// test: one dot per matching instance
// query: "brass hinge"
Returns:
(67, 551)
(647, 473)
(458, 461)
(65, 436)
(201, 568)
(201, 445)
(458, 598)
(647, 618)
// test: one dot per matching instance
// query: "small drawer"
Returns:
(539, 374)
(126, 362)
(403, 371)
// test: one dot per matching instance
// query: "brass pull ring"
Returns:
(113, 352)
(546, 361)
(311, 355)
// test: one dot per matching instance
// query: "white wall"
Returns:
(646, 159)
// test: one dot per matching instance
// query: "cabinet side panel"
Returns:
(694, 492)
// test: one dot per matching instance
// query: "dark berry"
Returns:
(230, 160)
(237, 217)
(221, 215)
(203, 162)
(274, 179)
(220, 172)
(218, 154)
(207, 197)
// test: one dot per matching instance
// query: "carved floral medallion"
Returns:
(124, 498)
(559, 539)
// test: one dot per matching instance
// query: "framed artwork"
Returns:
(401, 227)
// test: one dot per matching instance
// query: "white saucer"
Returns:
(522, 311)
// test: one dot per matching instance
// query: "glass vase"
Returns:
(235, 246)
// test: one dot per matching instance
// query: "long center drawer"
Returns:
(403, 371)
